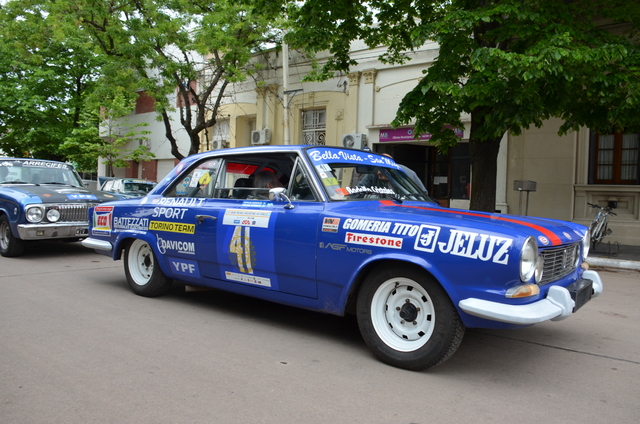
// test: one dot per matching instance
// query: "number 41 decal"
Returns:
(241, 249)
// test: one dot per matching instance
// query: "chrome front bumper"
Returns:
(96, 244)
(53, 231)
(556, 306)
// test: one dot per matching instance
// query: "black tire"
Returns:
(407, 319)
(10, 246)
(143, 273)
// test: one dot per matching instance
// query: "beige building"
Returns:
(357, 109)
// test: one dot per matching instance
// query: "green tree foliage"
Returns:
(163, 47)
(510, 64)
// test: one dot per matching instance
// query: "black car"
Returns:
(42, 200)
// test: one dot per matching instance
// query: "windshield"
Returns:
(138, 187)
(355, 175)
(26, 171)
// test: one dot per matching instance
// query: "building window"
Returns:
(615, 159)
(314, 126)
(144, 103)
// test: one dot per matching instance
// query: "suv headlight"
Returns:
(528, 259)
(35, 213)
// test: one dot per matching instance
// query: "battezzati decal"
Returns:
(130, 224)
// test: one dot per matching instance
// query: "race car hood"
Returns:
(548, 232)
(54, 193)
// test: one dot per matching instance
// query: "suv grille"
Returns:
(559, 262)
(77, 212)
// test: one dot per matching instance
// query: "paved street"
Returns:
(76, 346)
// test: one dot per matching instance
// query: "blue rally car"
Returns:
(42, 200)
(346, 231)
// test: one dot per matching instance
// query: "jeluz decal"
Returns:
(241, 251)
(247, 218)
(373, 240)
(169, 213)
(184, 247)
(330, 225)
(345, 248)
(82, 196)
(173, 227)
(185, 267)
(248, 279)
(130, 224)
(102, 217)
(466, 244)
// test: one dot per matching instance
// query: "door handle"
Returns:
(201, 218)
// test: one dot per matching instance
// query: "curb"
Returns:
(614, 263)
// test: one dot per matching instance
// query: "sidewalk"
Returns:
(615, 256)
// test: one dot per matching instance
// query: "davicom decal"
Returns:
(169, 213)
(465, 243)
(130, 224)
(178, 246)
(173, 227)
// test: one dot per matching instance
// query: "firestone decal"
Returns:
(373, 240)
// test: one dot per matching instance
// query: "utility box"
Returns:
(524, 185)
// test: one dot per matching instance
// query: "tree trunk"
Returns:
(484, 169)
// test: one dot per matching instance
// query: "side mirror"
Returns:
(279, 194)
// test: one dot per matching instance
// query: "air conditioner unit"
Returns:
(354, 141)
(218, 142)
(260, 136)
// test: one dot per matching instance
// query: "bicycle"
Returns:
(599, 226)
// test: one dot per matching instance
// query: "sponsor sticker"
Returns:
(102, 219)
(248, 279)
(373, 240)
(184, 267)
(330, 225)
(82, 196)
(130, 224)
(175, 246)
(173, 227)
(246, 218)
(543, 240)
(427, 238)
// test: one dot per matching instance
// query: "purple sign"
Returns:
(406, 134)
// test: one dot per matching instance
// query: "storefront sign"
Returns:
(406, 134)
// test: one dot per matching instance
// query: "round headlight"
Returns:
(35, 214)
(53, 215)
(586, 245)
(528, 259)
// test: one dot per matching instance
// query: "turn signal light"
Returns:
(526, 290)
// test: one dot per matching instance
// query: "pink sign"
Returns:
(406, 134)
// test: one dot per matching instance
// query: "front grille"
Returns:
(559, 262)
(75, 212)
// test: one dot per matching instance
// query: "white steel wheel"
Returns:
(406, 317)
(402, 314)
(143, 273)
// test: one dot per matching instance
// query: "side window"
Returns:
(300, 185)
(199, 181)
